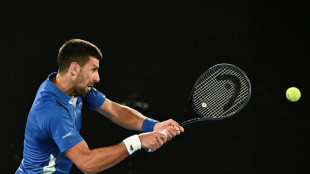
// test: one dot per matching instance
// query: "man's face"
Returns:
(87, 77)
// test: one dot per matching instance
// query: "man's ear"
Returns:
(74, 68)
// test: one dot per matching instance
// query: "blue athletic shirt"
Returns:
(53, 126)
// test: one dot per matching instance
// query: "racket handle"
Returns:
(163, 132)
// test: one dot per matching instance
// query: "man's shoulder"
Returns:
(46, 99)
(48, 105)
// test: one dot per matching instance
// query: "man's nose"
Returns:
(97, 77)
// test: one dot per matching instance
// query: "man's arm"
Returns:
(92, 161)
(96, 160)
(122, 115)
(132, 119)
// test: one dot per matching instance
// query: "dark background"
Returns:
(156, 50)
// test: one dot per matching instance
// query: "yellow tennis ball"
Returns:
(293, 94)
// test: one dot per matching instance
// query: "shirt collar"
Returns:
(51, 87)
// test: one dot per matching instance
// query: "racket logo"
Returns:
(237, 87)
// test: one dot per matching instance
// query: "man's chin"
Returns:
(87, 90)
(82, 93)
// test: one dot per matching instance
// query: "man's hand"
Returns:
(152, 140)
(170, 128)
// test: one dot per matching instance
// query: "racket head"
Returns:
(220, 92)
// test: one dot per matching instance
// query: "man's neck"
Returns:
(63, 83)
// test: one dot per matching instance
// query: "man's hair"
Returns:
(76, 50)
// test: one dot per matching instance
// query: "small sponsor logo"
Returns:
(130, 147)
(65, 136)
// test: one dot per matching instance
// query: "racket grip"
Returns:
(150, 150)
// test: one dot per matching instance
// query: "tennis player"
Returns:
(52, 139)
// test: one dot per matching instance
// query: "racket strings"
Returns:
(220, 92)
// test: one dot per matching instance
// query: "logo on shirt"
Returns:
(65, 136)
(80, 105)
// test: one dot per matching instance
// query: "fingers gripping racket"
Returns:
(219, 93)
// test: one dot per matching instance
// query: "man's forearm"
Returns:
(104, 158)
(93, 161)
(122, 115)
(129, 118)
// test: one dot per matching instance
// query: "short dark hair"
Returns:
(76, 50)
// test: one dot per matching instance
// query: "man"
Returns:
(52, 140)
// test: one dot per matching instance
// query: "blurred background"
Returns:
(153, 53)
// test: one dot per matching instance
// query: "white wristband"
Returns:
(132, 144)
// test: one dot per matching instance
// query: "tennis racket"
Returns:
(219, 93)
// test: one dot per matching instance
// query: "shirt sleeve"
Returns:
(94, 99)
(57, 123)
